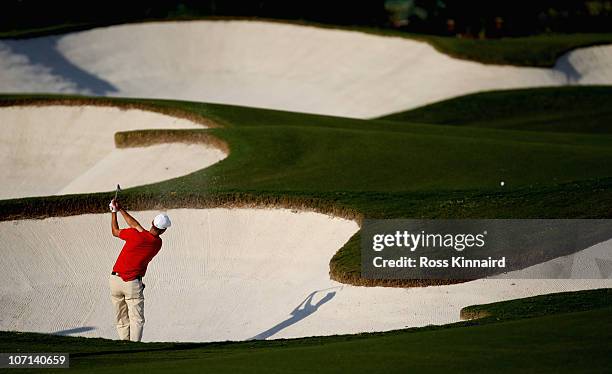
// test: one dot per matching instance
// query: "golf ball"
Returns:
(502, 183)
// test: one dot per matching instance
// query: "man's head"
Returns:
(160, 223)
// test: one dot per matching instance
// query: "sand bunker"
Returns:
(222, 274)
(270, 65)
(67, 149)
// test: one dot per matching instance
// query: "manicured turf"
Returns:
(374, 168)
(538, 50)
(560, 339)
(585, 109)
(288, 152)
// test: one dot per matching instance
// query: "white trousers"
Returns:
(128, 300)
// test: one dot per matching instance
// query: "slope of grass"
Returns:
(536, 306)
(378, 169)
(554, 109)
(537, 50)
(564, 337)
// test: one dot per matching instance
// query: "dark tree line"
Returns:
(476, 18)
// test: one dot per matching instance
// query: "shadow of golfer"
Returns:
(76, 330)
(45, 52)
(303, 310)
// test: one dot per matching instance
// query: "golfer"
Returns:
(126, 278)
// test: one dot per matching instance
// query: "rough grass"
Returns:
(144, 138)
(558, 333)
(358, 168)
(537, 51)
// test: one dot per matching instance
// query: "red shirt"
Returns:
(138, 251)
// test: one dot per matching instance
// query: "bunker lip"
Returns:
(242, 273)
(76, 152)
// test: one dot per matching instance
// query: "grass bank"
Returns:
(585, 109)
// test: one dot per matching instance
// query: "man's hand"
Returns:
(114, 206)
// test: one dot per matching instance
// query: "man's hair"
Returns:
(157, 229)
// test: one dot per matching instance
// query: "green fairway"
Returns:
(584, 109)
(564, 337)
(306, 154)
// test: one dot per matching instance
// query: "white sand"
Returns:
(68, 149)
(222, 274)
(270, 65)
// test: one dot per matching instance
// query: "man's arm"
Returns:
(114, 224)
(131, 221)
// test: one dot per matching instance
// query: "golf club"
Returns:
(117, 191)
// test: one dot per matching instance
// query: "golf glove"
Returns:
(112, 206)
